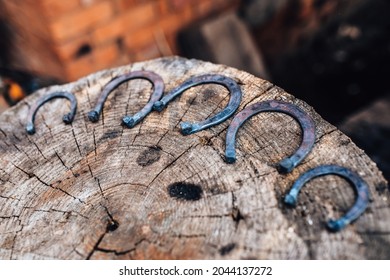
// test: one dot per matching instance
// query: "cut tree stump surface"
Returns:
(103, 191)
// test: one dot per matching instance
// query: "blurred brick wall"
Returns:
(69, 39)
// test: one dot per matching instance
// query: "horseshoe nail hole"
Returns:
(112, 226)
(83, 50)
(185, 191)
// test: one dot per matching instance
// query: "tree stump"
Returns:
(103, 191)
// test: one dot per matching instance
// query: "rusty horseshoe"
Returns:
(234, 102)
(130, 121)
(305, 121)
(359, 184)
(67, 118)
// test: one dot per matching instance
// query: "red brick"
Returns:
(126, 22)
(172, 23)
(67, 51)
(88, 3)
(124, 5)
(164, 7)
(53, 31)
(178, 5)
(106, 57)
(168, 26)
(55, 8)
(139, 39)
(140, 16)
(115, 28)
(101, 57)
(81, 21)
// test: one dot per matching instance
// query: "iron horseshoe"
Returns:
(234, 102)
(67, 118)
(304, 120)
(130, 121)
(359, 184)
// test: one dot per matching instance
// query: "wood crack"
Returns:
(66, 193)
(77, 143)
(170, 164)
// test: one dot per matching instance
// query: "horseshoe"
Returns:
(359, 184)
(67, 118)
(130, 121)
(304, 120)
(234, 102)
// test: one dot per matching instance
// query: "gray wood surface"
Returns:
(102, 191)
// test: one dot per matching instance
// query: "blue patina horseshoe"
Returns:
(234, 102)
(130, 121)
(67, 118)
(358, 183)
(304, 120)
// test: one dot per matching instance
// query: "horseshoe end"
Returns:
(128, 121)
(336, 225)
(286, 165)
(67, 118)
(290, 200)
(158, 106)
(30, 129)
(93, 116)
(186, 128)
(230, 156)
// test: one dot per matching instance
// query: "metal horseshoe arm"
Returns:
(304, 120)
(67, 118)
(358, 183)
(234, 102)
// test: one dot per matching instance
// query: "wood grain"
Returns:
(102, 191)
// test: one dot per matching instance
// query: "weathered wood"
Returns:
(102, 191)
